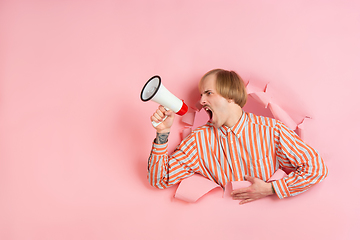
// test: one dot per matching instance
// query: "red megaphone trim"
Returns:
(183, 110)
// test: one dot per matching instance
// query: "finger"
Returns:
(241, 196)
(154, 119)
(162, 109)
(246, 201)
(250, 178)
(160, 112)
(169, 113)
(241, 191)
(157, 116)
(165, 111)
(238, 191)
(238, 196)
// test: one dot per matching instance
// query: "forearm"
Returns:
(292, 152)
(300, 180)
(158, 161)
(158, 164)
(310, 169)
(165, 170)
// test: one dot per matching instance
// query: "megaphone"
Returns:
(155, 91)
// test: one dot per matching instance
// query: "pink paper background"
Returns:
(75, 137)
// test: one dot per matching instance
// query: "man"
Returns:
(234, 146)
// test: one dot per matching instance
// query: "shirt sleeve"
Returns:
(165, 170)
(292, 152)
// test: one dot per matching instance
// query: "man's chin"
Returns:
(215, 124)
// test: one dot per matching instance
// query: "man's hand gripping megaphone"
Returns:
(162, 119)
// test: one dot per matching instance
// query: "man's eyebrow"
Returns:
(206, 91)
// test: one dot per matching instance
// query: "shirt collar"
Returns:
(237, 128)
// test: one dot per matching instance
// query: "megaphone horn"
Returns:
(155, 91)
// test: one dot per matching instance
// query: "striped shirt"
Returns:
(255, 146)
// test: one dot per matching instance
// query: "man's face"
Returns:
(213, 103)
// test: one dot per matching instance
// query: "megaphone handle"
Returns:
(155, 124)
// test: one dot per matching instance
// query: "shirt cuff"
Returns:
(281, 189)
(159, 149)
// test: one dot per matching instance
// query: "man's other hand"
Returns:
(257, 190)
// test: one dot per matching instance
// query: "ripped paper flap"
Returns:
(194, 187)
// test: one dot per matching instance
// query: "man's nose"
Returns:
(202, 100)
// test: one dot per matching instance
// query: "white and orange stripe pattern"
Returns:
(255, 146)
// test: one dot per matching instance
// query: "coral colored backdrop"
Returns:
(75, 137)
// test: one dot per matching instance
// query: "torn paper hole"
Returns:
(187, 188)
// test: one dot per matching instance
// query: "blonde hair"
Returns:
(229, 85)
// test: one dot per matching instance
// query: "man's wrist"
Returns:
(163, 130)
(162, 138)
(272, 188)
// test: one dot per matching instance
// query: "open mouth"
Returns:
(209, 112)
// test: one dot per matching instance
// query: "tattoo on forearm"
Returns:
(162, 138)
